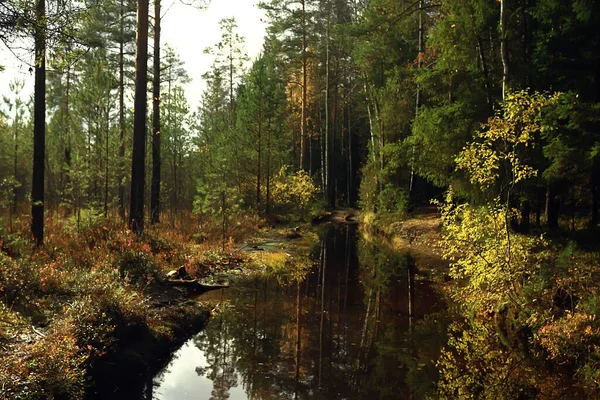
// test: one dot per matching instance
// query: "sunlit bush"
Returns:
(495, 262)
(293, 193)
(571, 338)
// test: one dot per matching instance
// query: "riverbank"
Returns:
(418, 235)
(93, 307)
(540, 339)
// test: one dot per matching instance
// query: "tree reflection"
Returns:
(341, 331)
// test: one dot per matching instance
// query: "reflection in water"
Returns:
(358, 325)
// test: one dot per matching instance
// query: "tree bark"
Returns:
(504, 49)
(551, 208)
(121, 111)
(259, 154)
(303, 133)
(417, 100)
(138, 159)
(329, 192)
(484, 70)
(39, 126)
(156, 160)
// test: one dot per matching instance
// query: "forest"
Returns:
(465, 131)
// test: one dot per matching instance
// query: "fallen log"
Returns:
(195, 284)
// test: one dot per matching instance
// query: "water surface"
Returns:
(362, 323)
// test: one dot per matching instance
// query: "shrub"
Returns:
(135, 265)
(392, 199)
(294, 193)
(49, 368)
(368, 187)
(571, 338)
(495, 262)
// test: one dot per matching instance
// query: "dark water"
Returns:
(362, 323)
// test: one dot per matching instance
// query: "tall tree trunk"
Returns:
(106, 159)
(155, 190)
(504, 49)
(39, 126)
(69, 144)
(259, 151)
(418, 99)
(121, 174)
(138, 158)
(349, 177)
(303, 133)
(371, 125)
(15, 164)
(485, 71)
(329, 192)
(552, 211)
(268, 199)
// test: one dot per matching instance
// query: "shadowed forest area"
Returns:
(464, 135)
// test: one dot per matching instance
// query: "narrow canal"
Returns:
(361, 323)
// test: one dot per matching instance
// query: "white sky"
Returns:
(188, 30)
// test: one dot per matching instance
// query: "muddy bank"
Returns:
(141, 350)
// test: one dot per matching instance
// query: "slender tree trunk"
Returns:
(156, 161)
(268, 199)
(328, 149)
(321, 331)
(484, 69)
(371, 133)
(504, 49)
(332, 146)
(121, 174)
(69, 140)
(551, 209)
(303, 130)
(231, 105)
(418, 99)
(223, 220)
(39, 126)
(15, 164)
(258, 177)
(106, 165)
(349, 155)
(138, 159)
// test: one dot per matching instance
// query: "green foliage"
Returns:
(369, 187)
(495, 262)
(499, 153)
(475, 365)
(294, 193)
(137, 266)
(392, 199)
(438, 134)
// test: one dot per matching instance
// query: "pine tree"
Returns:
(138, 158)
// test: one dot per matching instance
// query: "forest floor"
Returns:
(94, 303)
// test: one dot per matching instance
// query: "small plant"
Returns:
(294, 193)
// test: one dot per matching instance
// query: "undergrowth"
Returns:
(65, 305)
